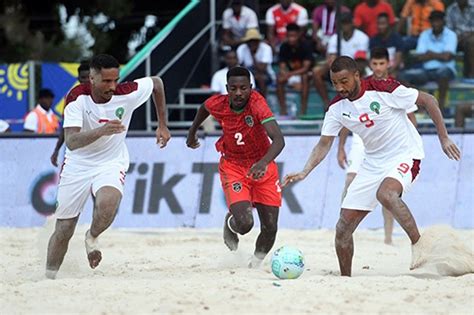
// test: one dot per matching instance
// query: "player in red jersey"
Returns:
(249, 175)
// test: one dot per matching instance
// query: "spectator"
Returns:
(257, 56)
(295, 60)
(460, 19)
(324, 24)
(236, 20)
(362, 63)
(41, 119)
(419, 12)
(436, 49)
(4, 126)
(387, 38)
(279, 16)
(366, 13)
(352, 40)
(219, 79)
(83, 72)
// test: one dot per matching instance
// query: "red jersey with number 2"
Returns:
(244, 140)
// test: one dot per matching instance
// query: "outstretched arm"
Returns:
(429, 102)
(317, 155)
(75, 138)
(201, 115)
(162, 132)
(259, 169)
(59, 144)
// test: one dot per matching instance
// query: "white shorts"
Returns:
(77, 183)
(356, 155)
(362, 192)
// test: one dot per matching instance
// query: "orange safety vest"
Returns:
(44, 124)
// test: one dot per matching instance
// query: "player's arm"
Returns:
(162, 133)
(75, 138)
(317, 155)
(59, 143)
(341, 151)
(258, 170)
(412, 118)
(192, 139)
(431, 105)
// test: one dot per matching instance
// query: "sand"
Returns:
(187, 271)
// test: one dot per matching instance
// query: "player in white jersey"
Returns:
(379, 64)
(96, 121)
(376, 111)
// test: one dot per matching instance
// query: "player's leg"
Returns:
(349, 178)
(388, 195)
(268, 216)
(107, 200)
(387, 225)
(73, 191)
(58, 244)
(348, 221)
(238, 221)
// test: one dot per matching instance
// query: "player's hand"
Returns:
(112, 127)
(192, 141)
(342, 158)
(257, 170)
(162, 136)
(54, 158)
(450, 149)
(292, 178)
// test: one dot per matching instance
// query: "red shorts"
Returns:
(238, 187)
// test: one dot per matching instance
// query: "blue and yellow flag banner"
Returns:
(14, 94)
(59, 78)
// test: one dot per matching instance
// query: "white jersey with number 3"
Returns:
(81, 111)
(379, 117)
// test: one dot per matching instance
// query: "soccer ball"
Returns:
(287, 263)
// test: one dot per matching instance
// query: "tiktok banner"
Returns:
(180, 187)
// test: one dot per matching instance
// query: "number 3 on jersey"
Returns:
(238, 137)
(364, 118)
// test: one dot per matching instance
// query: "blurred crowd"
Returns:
(295, 47)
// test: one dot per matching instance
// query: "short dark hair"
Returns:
(437, 15)
(103, 61)
(346, 17)
(383, 15)
(379, 53)
(238, 72)
(84, 66)
(344, 63)
(45, 93)
(292, 27)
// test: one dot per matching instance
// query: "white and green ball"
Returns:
(287, 262)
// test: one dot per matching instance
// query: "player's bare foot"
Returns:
(231, 240)
(255, 262)
(92, 249)
(94, 258)
(51, 274)
(388, 241)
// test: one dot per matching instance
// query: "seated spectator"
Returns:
(236, 20)
(324, 24)
(366, 13)
(42, 119)
(219, 79)
(389, 39)
(362, 63)
(419, 12)
(256, 55)
(436, 49)
(460, 19)
(279, 16)
(294, 60)
(352, 40)
(463, 111)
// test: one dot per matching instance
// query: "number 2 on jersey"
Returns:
(238, 136)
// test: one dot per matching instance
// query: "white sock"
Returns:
(50, 274)
(228, 224)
